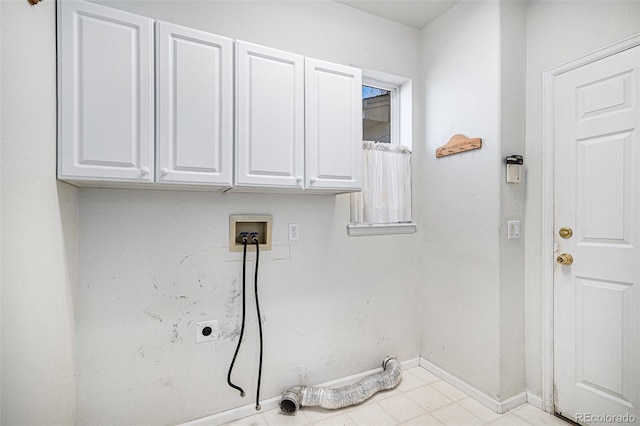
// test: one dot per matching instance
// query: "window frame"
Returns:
(401, 103)
(401, 100)
(394, 115)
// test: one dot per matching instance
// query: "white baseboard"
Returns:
(274, 402)
(535, 400)
(410, 363)
(235, 413)
(499, 407)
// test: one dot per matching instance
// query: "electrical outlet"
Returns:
(207, 331)
(294, 232)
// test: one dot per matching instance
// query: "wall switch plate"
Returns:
(207, 331)
(294, 232)
(513, 229)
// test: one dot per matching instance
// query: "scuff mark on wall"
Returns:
(189, 255)
(175, 333)
(231, 305)
(177, 297)
(229, 334)
(228, 329)
(176, 337)
(153, 315)
(154, 280)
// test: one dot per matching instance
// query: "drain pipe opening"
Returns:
(289, 404)
(313, 396)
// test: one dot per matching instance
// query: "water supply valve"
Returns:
(251, 227)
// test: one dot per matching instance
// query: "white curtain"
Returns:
(386, 194)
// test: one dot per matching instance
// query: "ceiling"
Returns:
(414, 13)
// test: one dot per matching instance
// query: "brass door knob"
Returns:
(565, 259)
(565, 232)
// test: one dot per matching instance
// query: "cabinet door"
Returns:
(106, 93)
(333, 126)
(270, 117)
(194, 106)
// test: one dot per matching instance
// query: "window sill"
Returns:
(355, 230)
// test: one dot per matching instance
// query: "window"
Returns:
(376, 114)
(386, 127)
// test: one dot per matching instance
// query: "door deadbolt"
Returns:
(565, 259)
(565, 232)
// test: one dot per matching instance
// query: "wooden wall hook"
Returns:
(457, 144)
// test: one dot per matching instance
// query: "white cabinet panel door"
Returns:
(270, 117)
(333, 126)
(106, 94)
(597, 194)
(195, 106)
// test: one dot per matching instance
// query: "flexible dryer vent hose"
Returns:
(314, 396)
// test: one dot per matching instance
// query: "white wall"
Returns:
(512, 141)
(152, 263)
(38, 227)
(461, 195)
(473, 321)
(557, 32)
(320, 29)
(464, 52)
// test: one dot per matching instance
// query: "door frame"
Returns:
(548, 187)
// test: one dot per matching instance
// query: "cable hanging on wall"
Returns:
(255, 241)
(235, 355)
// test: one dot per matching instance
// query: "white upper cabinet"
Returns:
(106, 94)
(158, 107)
(194, 106)
(333, 126)
(278, 95)
(269, 118)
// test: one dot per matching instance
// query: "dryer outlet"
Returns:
(207, 331)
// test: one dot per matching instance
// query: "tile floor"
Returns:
(420, 399)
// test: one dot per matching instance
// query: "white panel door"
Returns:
(333, 126)
(194, 105)
(106, 91)
(270, 117)
(597, 195)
